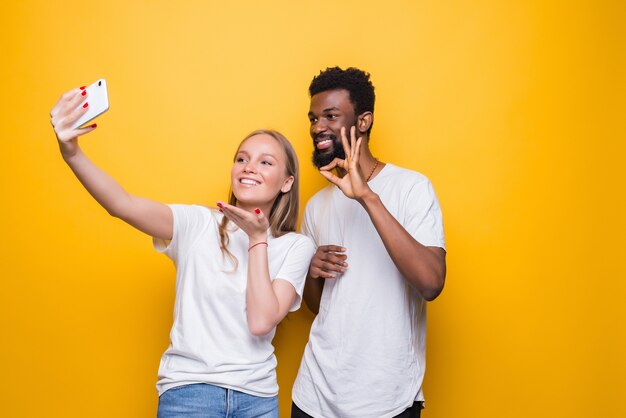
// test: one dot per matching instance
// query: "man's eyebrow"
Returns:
(328, 109)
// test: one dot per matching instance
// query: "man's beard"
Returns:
(321, 159)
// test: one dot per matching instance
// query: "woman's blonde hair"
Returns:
(283, 216)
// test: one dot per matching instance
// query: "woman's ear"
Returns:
(287, 184)
(364, 121)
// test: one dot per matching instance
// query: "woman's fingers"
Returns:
(68, 102)
(66, 112)
(249, 222)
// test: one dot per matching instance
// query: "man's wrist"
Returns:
(369, 199)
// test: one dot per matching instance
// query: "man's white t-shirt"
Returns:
(366, 351)
(210, 339)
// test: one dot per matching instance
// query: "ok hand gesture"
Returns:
(352, 184)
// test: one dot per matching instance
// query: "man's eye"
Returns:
(331, 117)
(312, 120)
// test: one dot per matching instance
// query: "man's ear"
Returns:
(287, 184)
(364, 121)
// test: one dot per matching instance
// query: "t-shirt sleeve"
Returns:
(188, 220)
(306, 227)
(296, 266)
(423, 218)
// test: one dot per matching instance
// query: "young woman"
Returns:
(239, 270)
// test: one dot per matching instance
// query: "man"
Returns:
(380, 257)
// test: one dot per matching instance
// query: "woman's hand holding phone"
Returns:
(75, 108)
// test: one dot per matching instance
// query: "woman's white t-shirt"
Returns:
(210, 339)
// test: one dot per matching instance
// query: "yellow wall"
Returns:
(514, 109)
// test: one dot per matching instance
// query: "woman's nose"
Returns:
(249, 167)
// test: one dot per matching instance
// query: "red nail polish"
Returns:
(257, 211)
(95, 125)
(219, 205)
(84, 93)
(83, 87)
(85, 105)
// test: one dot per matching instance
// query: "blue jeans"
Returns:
(208, 401)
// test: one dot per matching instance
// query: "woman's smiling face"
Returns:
(259, 173)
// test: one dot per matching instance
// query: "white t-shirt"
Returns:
(366, 351)
(210, 339)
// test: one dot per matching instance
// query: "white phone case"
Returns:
(98, 99)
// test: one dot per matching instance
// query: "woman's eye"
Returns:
(266, 163)
(240, 160)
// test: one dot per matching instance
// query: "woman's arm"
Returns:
(267, 301)
(148, 216)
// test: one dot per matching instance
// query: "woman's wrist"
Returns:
(259, 244)
(256, 239)
(68, 151)
(253, 239)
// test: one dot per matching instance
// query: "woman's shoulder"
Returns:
(296, 240)
(196, 213)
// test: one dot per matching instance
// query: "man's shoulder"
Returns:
(321, 195)
(405, 175)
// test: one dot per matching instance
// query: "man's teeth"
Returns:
(248, 181)
(326, 141)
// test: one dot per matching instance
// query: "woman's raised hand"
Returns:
(255, 225)
(63, 115)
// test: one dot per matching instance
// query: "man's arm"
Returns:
(313, 293)
(328, 261)
(423, 267)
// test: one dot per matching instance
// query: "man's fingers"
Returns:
(333, 267)
(331, 248)
(344, 141)
(353, 141)
(334, 258)
(327, 275)
(330, 262)
(319, 273)
(337, 162)
(331, 177)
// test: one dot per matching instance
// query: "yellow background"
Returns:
(514, 109)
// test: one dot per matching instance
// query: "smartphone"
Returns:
(98, 99)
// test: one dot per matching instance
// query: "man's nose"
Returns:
(318, 127)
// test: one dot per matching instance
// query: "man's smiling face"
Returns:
(329, 111)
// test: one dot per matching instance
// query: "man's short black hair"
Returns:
(355, 81)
